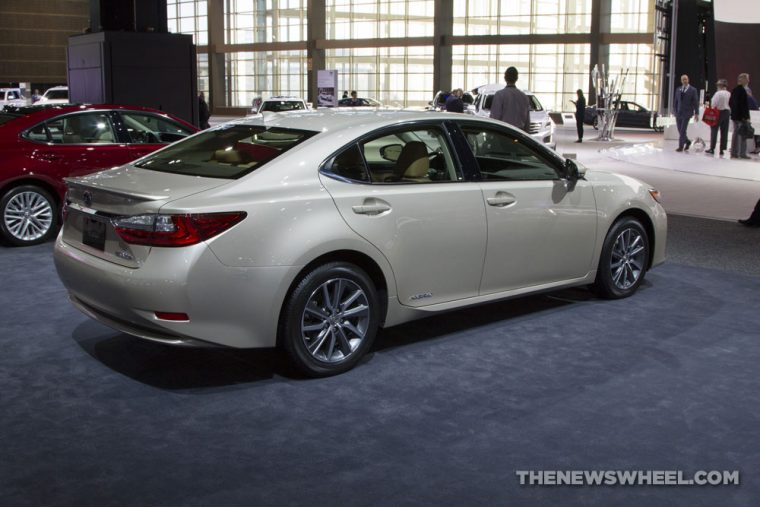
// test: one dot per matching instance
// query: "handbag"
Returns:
(711, 116)
(746, 130)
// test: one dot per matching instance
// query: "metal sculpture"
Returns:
(607, 100)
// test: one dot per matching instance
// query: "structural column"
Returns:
(216, 60)
(600, 48)
(442, 51)
(315, 52)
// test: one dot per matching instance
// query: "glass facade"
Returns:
(356, 33)
(551, 71)
(249, 21)
(264, 74)
(396, 76)
(520, 17)
(191, 18)
(379, 19)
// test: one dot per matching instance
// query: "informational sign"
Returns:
(327, 88)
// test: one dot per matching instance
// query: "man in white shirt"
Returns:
(720, 102)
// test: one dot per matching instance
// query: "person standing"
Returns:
(203, 112)
(580, 113)
(720, 102)
(740, 116)
(685, 105)
(511, 105)
(454, 103)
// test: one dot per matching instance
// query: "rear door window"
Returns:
(228, 152)
(145, 128)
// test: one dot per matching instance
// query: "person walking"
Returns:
(511, 105)
(580, 113)
(720, 102)
(740, 116)
(685, 105)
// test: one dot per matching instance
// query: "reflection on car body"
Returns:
(42, 144)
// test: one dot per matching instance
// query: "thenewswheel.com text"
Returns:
(627, 478)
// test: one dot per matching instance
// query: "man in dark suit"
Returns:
(685, 105)
(740, 115)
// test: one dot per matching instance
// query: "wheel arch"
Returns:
(37, 182)
(360, 260)
(646, 221)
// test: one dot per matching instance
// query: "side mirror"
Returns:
(571, 170)
(391, 152)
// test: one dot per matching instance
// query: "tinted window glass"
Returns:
(81, 128)
(503, 157)
(282, 105)
(4, 118)
(38, 133)
(418, 155)
(227, 152)
(350, 165)
(145, 128)
(57, 94)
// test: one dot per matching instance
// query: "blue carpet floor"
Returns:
(443, 412)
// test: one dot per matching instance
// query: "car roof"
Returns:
(358, 120)
(37, 113)
(495, 87)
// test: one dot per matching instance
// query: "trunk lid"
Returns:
(95, 200)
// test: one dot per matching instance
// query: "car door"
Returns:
(147, 132)
(541, 228)
(402, 191)
(78, 143)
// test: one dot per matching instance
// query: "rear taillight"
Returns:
(174, 230)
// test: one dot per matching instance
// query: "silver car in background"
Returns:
(541, 124)
(312, 230)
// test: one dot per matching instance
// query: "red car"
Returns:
(39, 146)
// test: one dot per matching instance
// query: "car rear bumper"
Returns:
(233, 307)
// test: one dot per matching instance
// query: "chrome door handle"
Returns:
(371, 207)
(501, 199)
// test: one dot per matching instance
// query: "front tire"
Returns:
(624, 259)
(28, 215)
(330, 319)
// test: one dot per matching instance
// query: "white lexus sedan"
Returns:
(312, 230)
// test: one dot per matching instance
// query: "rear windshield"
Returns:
(228, 152)
(5, 117)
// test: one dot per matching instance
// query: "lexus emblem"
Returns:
(87, 198)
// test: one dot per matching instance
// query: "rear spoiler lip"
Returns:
(77, 182)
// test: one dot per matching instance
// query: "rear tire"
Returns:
(28, 215)
(623, 261)
(330, 319)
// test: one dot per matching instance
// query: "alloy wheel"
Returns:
(628, 258)
(28, 216)
(335, 320)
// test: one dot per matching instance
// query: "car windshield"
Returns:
(57, 94)
(226, 152)
(277, 106)
(535, 105)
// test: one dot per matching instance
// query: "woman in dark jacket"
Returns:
(580, 113)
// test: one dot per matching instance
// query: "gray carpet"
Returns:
(443, 412)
